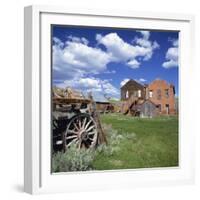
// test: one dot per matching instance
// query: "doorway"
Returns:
(167, 109)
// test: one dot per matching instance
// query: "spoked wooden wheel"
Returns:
(81, 131)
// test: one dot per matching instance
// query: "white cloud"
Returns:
(109, 89)
(171, 56)
(122, 51)
(142, 42)
(175, 43)
(110, 72)
(98, 87)
(147, 44)
(58, 42)
(146, 34)
(98, 37)
(133, 64)
(85, 57)
(76, 58)
(123, 82)
(142, 80)
(78, 40)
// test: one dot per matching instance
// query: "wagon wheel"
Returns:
(81, 131)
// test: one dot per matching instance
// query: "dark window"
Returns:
(167, 108)
(158, 94)
(167, 93)
(158, 107)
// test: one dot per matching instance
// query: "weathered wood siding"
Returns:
(148, 109)
(104, 107)
(132, 87)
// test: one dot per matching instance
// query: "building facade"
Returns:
(132, 88)
(163, 95)
(158, 97)
(144, 108)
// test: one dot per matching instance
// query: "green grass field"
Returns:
(143, 143)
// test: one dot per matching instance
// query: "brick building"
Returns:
(158, 92)
(163, 95)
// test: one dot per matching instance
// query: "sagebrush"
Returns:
(75, 159)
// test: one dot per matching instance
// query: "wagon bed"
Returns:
(61, 101)
(76, 122)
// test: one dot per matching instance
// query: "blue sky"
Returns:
(101, 60)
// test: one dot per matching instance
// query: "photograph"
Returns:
(114, 98)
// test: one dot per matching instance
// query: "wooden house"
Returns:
(104, 107)
(132, 88)
(144, 108)
(157, 98)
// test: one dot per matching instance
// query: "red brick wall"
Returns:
(162, 85)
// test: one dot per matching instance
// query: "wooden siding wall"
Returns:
(148, 109)
(132, 87)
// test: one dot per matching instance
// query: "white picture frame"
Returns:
(37, 173)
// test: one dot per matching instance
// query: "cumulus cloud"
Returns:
(146, 34)
(134, 64)
(171, 55)
(76, 58)
(78, 39)
(144, 42)
(122, 51)
(98, 87)
(174, 42)
(75, 62)
(142, 80)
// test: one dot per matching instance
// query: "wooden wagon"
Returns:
(76, 121)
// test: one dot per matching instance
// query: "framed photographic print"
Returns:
(107, 99)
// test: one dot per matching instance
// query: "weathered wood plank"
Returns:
(69, 101)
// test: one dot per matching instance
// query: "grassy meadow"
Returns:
(132, 143)
(140, 142)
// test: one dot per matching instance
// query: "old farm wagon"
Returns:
(75, 120)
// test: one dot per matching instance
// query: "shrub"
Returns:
(114, 139)
(73, 159)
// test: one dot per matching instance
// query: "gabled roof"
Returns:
(140, 102)
(132, 81)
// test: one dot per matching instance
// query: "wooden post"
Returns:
(101, 137)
